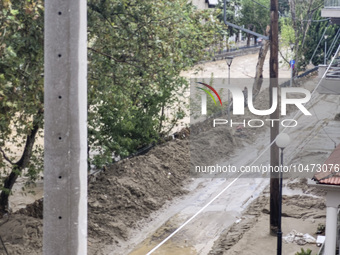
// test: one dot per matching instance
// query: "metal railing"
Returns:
(332, 3)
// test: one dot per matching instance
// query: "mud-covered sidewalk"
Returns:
(303, 211)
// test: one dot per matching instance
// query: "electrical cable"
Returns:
(313, 20)
(324, 32)
(323, 128)
(252, 32)
(286, 16)
(315, 114)
(336, 38)
(230, 184)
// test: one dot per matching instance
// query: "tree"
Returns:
(255, 16)
(305, 33)
(232, 14)
(135, 88)
(313, 37)
(21, 91)
(301, 15)
(137, 50)
(283, 8)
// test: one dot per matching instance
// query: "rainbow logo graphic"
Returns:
(209, 93)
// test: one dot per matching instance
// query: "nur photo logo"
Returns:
(209, 93)
(204, 96)
(281, 98)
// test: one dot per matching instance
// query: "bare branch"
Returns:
(5, 157)
(125, 60)
(286, 60)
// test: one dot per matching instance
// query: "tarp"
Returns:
(213, 2)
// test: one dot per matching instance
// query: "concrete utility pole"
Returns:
(274, 131)
(65, 169)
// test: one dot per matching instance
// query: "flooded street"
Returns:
(313, 139)
(214, 204)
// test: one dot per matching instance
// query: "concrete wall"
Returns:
(330, 12)
(240, 52)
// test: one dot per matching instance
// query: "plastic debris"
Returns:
(298, 238)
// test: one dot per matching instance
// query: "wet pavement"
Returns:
(312, 140)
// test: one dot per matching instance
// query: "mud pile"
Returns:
(131, 189)
(118, 198)
(20, 234)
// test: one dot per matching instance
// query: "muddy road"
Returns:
(311, 141)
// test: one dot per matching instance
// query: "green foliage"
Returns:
(300, 23)
(303, 252)
(21, 82)
(287, 32)
(283, 7)
(305, 45)
(137, 50)
(255, 16)
(248, 13)
(232, 16)
(212, 107)
(316, 31)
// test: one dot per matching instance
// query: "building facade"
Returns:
(332, 10)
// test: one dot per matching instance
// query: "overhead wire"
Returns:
(316, 48)
(260, 155)
(323, 128)
(239, 176)
(286, 16)
(336, 38)
(315, 114)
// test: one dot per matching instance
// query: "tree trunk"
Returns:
(259, 67)
(161, 118)
(20, 165)
(230, 31)
(255, 37)
(248, 36)
(301, 29)
(248, 40)
(296, 43)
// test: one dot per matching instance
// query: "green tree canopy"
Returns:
(314, 36)
(137, 50)
(21, 90)
(255, 16)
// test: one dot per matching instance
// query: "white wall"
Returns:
(200, 4)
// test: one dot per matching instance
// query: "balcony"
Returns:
(332, 3)
(332, 10)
